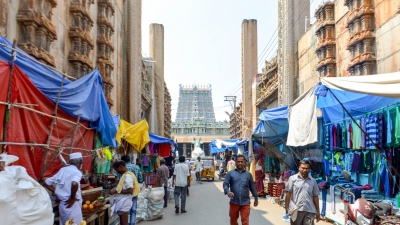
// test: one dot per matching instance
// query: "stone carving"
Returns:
(268, 85)
(37, 31)
(360, 44)
(326, 39)
(81, 41)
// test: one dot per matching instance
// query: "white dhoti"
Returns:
(119, 204)
(74, 211)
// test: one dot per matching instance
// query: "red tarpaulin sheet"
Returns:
(31, 127)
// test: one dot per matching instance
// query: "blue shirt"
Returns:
(134, 169)
(240, 183)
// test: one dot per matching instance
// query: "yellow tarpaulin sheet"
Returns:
(135, 134)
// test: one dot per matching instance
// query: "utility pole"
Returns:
(231, 99)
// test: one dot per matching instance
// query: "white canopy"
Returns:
(302, 113)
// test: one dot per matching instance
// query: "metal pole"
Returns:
(8, 108)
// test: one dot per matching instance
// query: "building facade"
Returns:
(77, 36)
(350, 38)
(235, 127)
(195, 119)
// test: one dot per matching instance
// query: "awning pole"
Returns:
(53, 121)
(365, 133)
(7, 115)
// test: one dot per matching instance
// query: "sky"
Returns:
(202, 42)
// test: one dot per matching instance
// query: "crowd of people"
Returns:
(301, 190)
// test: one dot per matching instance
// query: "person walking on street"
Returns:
(199, 168)
(180, 180)
(231, 164)
(162, 179)
(301, 201)
(259, 175)
(190, 172)
(67, 189)
(237, 185)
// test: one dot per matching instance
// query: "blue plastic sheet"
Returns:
(355, 103)
(214, 149)
(273, 126)
(155, 139)
(83, 97)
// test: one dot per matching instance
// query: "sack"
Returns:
(18, 187)
(156, 203)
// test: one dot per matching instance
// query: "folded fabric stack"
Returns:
(370, 194)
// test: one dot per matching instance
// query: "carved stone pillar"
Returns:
(357, 24)
(360, 48)
(351, 70)
(329, 32)
(329, 51)
(368, 45)
(366, 20)
(357, 69)
(368, 68)
(328, 12)
(77, 67)
(330, 70)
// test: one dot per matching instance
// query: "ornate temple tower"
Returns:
(195, 101)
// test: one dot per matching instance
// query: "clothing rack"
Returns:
(388, 107)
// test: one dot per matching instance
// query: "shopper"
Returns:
(301, 200)
(122, 195)
(162, 179)
(238, 184)
(181, 181)
(259, 174)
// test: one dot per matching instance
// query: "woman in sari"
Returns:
(259, 175)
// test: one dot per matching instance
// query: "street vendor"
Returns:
(67, 189)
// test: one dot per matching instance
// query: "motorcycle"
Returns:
(363, 212)
(222, 174)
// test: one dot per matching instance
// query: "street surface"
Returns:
(208, 205)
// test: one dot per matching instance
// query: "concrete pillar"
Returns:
(249, 71)
(157, 54)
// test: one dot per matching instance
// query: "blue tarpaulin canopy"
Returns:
(273, 126)
(355, 103)
(214, 149)
(155, 139)
(83, 97)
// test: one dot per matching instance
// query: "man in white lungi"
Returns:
(67, 189)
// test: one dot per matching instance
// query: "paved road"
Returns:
(208, 205)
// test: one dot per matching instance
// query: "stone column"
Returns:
(184, 150)
(330, 70)
(249, 71)
(367, 68)
(357, 69)
(157, 54)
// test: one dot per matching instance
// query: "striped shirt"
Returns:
(371, 125)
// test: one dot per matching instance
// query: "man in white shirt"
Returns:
(121, 196)
(180, 181)
(199, 168)
(67, 189)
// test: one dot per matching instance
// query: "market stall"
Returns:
(360, 136)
